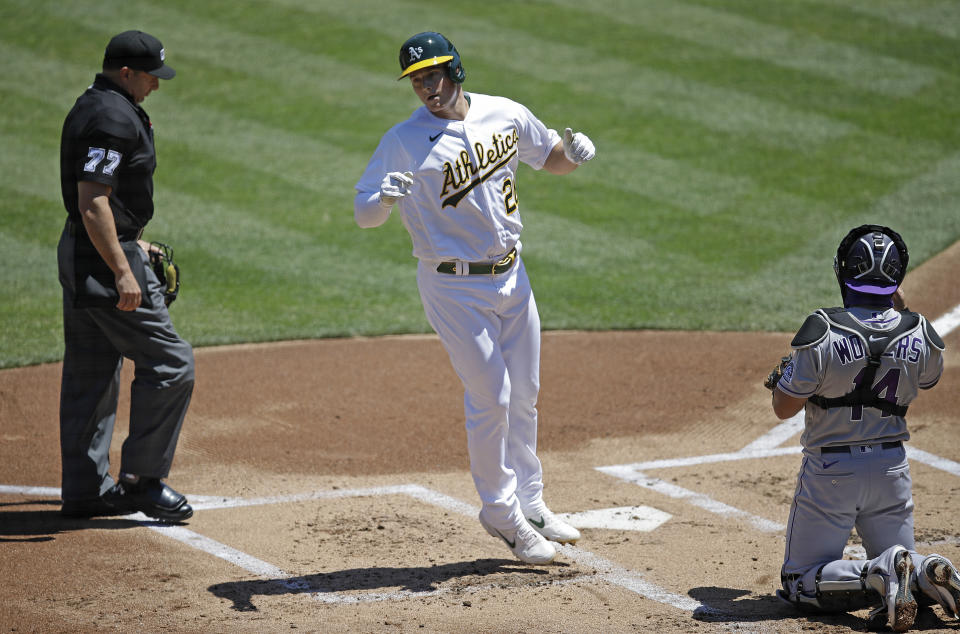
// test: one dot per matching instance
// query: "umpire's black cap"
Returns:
(139, 51)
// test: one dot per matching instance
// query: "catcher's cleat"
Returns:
(938, 579)
(527, 545)
(899, 607)
(550, 526)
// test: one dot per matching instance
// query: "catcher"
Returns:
(854, 371)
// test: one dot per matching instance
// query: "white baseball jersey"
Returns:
(463, 203)
(833, 365)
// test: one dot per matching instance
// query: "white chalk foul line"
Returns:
(629, 473)
(298, 584)
(10, 489)
(743, 454)
(610, 572)
(944, 464)
(607, 570)
(779, 434)
(632, 473)
(630, 580)
(945, 324)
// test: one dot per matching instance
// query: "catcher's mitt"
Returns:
(161, 259)
(774, 377)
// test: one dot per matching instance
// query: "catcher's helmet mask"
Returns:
(871, 259)
(430, 49)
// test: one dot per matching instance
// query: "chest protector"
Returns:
(815, 328)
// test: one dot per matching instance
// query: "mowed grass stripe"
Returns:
(936, 16)
(253, 242)
(186, 116)
(611, 79)
(198, 123)
(274, 156)
(280, 70)
(737, 36)
(267, 152)
(716, 108)
(696, 204)
(919, 209)
(714, 167)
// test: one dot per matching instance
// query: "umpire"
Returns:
(113, 305)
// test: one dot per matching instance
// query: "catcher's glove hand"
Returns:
(161, 259)
(774, 377)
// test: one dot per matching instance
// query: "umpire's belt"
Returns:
(853, 448)
(76, 228)
(480, 268)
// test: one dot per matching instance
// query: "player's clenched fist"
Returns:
(577, 147)
(395, 186)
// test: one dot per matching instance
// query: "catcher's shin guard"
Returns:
(829, 596)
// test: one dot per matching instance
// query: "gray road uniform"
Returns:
(108, 138)
(854, 471)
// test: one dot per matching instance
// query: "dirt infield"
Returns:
(332, 493)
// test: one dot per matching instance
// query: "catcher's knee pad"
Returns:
(829, 596)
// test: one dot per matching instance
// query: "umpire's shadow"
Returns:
(42, 525)
(414, 579)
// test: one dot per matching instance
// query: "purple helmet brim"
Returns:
(871, 289)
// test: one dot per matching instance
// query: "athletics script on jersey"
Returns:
(456, 175)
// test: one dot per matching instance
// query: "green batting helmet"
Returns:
(430, 49)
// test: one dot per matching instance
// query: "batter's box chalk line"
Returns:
(767, 445)
(603, 569)
(764, 447)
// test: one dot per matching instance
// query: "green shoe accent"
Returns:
(511, 544)
(539, 524)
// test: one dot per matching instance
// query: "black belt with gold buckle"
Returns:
(482, 268)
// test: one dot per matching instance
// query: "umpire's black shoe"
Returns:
(151, 497)
(90, 507)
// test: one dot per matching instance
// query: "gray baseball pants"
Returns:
(96, 342)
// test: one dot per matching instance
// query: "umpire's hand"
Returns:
(129, 290)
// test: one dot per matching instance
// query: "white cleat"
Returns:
(526, 544)
(938, 579)
(551, 526)
(889, 574)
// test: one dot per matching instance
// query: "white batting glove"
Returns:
(577, 147)
(395, 186)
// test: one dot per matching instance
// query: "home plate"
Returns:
(624, 518)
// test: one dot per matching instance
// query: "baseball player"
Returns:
(451, 170)
(854, 371)
(113, 304)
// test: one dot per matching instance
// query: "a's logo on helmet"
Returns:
(163, 54)
(414, 52)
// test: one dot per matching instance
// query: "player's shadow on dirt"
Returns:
(725, 605)
(415, 579)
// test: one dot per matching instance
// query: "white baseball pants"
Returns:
(490, 327)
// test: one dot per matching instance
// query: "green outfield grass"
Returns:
(737, 142)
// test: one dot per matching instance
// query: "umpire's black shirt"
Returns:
(107, 138)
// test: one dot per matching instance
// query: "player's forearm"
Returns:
(557, 162)
(93, 201)
(786, 406)
(367, 210)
